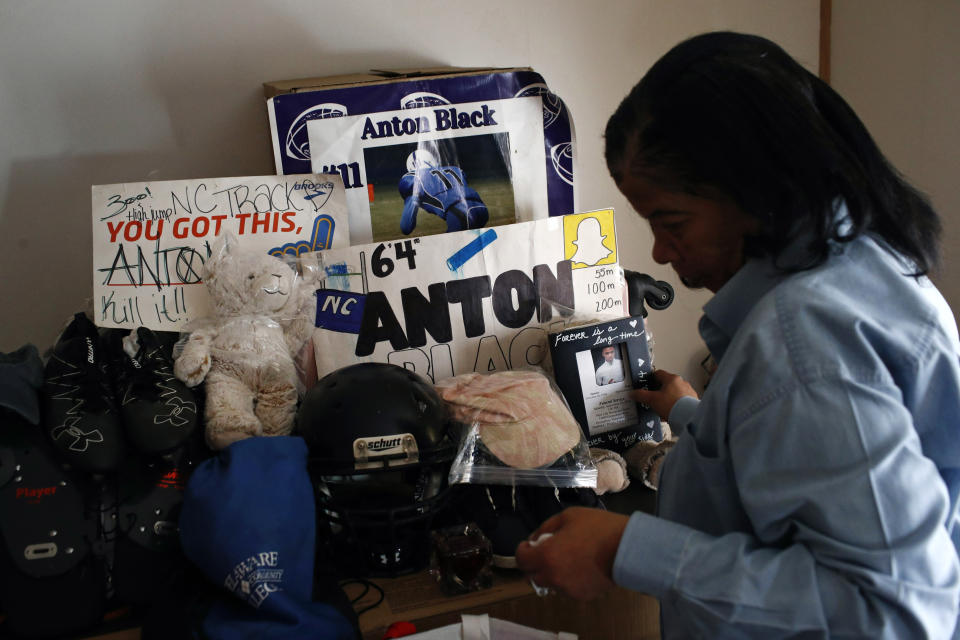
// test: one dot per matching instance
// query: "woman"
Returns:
(813, 489)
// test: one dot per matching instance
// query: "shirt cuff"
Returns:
(682, 412)
(650, 553)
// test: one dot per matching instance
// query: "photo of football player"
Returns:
(428, 186)
(441, 190)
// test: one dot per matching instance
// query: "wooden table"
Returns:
(418, 599)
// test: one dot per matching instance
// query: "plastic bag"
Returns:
(261, 316)
(248, 351)
(518, 431)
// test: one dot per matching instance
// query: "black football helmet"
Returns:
(381, 440)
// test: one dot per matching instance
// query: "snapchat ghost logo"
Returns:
(589, 243)
(590, 239)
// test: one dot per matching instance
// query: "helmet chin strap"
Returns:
(429, 483)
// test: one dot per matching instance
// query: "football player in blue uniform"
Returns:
(441, 190)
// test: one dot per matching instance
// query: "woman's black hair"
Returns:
(734, 114)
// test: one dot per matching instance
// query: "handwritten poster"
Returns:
(150, 239)
(477, 300)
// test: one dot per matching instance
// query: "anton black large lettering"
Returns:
(426, 316)
(515, 298)
(503, 288)
(379, 323)
(554, 291)
(470, 293)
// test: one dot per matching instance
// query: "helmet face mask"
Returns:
(379, 524)
(380, 453)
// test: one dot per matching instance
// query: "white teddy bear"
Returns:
(245, 351)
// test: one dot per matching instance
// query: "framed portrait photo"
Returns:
(596, 366)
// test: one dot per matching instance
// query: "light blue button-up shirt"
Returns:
(813, 490)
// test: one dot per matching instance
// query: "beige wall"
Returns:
(896, 63)
(106, 91)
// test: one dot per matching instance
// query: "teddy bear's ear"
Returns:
(230, 242)
(222, 246)
(289, 260)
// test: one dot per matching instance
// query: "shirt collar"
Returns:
(724, 313)
(727, 309)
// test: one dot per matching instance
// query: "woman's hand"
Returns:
(671, 388)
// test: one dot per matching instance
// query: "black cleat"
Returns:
(159, 411)
(79, 412)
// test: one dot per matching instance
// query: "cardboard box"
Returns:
(359, 122)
